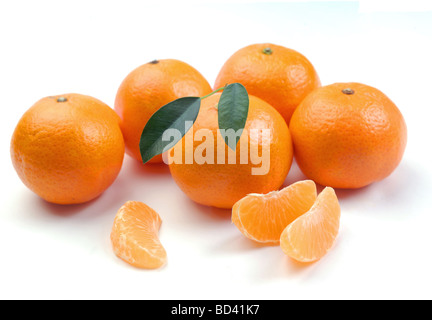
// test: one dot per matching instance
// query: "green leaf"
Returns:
(233, 108)
(173, 115)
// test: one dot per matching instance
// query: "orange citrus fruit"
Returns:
(348, 135)
(223, 178)
(263, 217)
(68, 149)
(281, 76)
(312, 235)
(134, 236)
(148, 88)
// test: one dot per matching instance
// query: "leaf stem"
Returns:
(211, 93)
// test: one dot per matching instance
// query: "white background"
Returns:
(63, 252)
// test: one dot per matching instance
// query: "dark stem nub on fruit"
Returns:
(61, 99)
(154, 61)
(348, 91)
(267, 51)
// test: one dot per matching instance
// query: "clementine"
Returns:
(148, 88)
(279, 75)
(225, 176)
(348, 135)
(68, 149)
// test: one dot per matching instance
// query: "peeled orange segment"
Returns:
(263, 217)
(134, 236)
(311, 236)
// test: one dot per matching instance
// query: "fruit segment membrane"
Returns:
(134, 236)
(263, 217)
(311, 236)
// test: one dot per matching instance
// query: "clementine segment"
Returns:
(68, 149)
(263, 217)
(148, 88)
(134, 236)
(221, 180)
(281, 76)
(348, 135)
(312, 235)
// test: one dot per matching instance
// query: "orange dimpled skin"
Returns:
(148, 88)
(348, 135)
(221, 183)
(68, 149)
(279, 75)
(312, 235)
(134, 236)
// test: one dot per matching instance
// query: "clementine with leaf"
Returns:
(222, 176)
